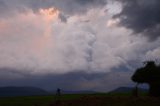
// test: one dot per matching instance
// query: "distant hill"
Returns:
(75, 92)
(126, 90)
(79, 92)
(21, 91)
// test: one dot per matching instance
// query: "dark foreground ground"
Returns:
(110, 101)
(81, 100)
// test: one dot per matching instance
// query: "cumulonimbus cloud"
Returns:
(40, 42)
(141, 16)
(45, 41)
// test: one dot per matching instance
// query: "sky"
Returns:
(76, 44)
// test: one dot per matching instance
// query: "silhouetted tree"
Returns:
(149, 74)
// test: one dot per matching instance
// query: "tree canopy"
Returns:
(150, 74)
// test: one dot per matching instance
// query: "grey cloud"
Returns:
(67, 6)
(141, 16)
(3, 8)
(76, 45)
(62, 17)
(90, 46)
(78, 6)
(70, 81)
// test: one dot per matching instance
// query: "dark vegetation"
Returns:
(149, 74)
(115, 99)
(110, 101)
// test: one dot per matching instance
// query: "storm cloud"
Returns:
(141, 16)
(102, 82)
(74, 44)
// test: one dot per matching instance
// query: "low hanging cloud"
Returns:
(102, 82)
(141, 16)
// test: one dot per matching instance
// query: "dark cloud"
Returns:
(141, 16)
(62, 17)
(69, 81)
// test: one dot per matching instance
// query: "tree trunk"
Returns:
(154, 90)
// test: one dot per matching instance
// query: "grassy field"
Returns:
(82, 100)
(34, 100)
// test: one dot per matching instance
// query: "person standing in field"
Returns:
(58, 92)
(58, 96)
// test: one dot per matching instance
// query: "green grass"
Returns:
(26, 101)
(32, 100)
(126, 94)
(99, 99)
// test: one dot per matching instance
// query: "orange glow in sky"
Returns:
(112, 22)
(49, 14)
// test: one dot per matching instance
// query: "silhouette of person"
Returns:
(58, 96)
(58, 92)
